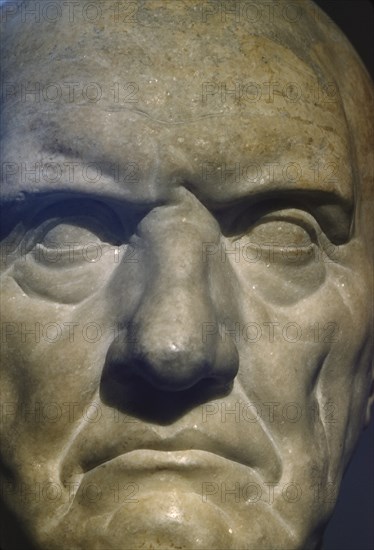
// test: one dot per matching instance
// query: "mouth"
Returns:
(191, 446)
(157, 471)
(151, 460)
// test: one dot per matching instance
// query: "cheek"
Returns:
(314, 353)
(278, 278)
(291, 336)
(51, 363)
(313, 375)
(282, 348)
(66, 280)
(344, 383)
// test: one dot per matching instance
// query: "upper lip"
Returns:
(248, 444)
(184, 440)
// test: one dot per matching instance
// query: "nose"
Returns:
(169, 346)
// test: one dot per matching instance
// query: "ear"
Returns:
(371, 398)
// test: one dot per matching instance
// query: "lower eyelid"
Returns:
(289, 257)
(77, 254)
(281, 248)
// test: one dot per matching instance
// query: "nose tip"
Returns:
(171, 366)
(170, 350)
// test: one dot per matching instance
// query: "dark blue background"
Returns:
(351, 527)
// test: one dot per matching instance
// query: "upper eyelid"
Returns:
(73, 207)
(84, 210)
(331, 217)
(65, 222)
(304, 220)
(291, 215)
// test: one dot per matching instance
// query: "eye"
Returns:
(289, 237)
(77, 226)
(72, 242)
(75, 219)
(281, 236)
(82, 242)
(280, 255)
(79, 231)
(284, 233)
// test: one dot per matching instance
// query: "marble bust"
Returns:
(186, 273)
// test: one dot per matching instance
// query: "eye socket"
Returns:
(75, 222)
(281, 254)
(83, 242)
(285, 237)
(70, 238)
(75, 230)
(66, 244)
(284, 228)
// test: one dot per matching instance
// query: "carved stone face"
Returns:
(186, 272)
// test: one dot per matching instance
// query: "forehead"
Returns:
(178, 100)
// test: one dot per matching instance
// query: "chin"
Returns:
(161, 519)
(172, 520)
